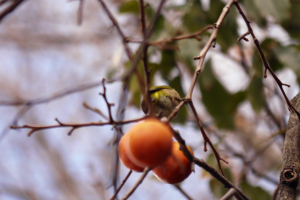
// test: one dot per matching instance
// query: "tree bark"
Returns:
(289, 175)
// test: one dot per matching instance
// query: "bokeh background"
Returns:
(43, 52)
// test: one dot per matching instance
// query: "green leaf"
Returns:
(279, 9)
(293, 25)
(167, 63)
(188, 50)
(195, 17)
(220, 104)
(218, 188)
(289, 56)
(182, 114)
(159, 27)
(258, 10)
(268, 46)
(227, 35)
(253, 13)
(255, 92)
(153, 68)
(130, 7)
(135, 90)
(254, 192)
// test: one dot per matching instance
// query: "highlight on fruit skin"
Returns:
(176, 168)
(147, 144)
(123, 148)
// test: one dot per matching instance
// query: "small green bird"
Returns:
(164, 99)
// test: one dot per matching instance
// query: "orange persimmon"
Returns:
(123, 148)
(176, 168)
(150, 143)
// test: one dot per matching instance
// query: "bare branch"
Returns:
(243, 37)
(80, 12)
(145, 59)
(109, 105)
(212, 171)
(204, 51)
(194, 35)
(206, 139)
(96, 110)
(131, 191)
(56, 95)
(121, 185)
(182, 191)
(266, 64)
(188, 97)
(10, 8)
(75, 126)
(231, 192)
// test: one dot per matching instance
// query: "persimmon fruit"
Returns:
(149, 144)
(123, 148)
(176, 168)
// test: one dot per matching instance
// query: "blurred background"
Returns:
(45, 52)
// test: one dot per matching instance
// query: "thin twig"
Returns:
(144, 43)
(212, 171)
(116, 25)
(231, 192)
(126, 77)
(145, 59)
(21, 112)
(274, 196)
(80, 12)
(96, 110)
(10, 9)
(77, 125)
(121, 185)
(131, 191)
(60, 94)
(265, 62)
(206, 139)
(109, 105)
(243, 37)
(182, 191)
(56, 95)
(194, 35)
(201, 57)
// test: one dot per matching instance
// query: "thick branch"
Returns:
(289, 175)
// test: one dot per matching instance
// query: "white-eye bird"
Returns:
(163, 98)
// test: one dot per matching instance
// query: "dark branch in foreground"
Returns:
(212, 171)
(10, 8)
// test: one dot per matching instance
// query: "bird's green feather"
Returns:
(157, 88)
